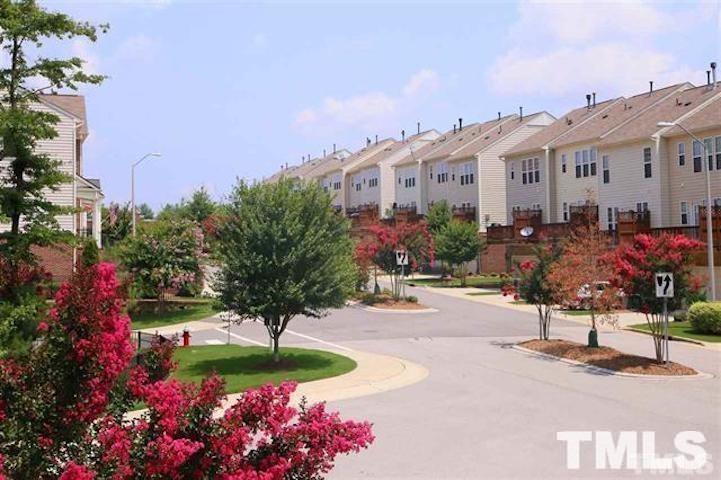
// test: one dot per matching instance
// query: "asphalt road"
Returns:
(488, 411)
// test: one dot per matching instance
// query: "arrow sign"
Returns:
(664, 285)
(401, 257)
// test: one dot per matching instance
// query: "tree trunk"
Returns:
(276, 350)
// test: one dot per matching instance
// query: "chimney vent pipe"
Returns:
(376, 139)
(520, 110)
(588, 101)
(594, 99)
(403, 135)
(460, 124)
(418, 124)
(650, 86)
(713, 75)
(324, 152)
(454, 128)
(499, 116)
(334, 148)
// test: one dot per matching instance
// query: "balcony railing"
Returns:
(371, 208)
(408, 208)
(690, 231)
(84, 232)
(464, 210)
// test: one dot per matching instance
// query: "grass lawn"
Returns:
(248, 367)
(478, 294)
(196, 311)
(474, 281)
(576, 313)
(685, 330)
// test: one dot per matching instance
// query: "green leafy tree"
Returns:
(284, 252)
(164, 257)
(459, 243)
(145, 211)
(200, 206)
(117, 223)
(439, 215)
(29, 174)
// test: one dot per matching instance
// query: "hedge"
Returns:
(705, 317)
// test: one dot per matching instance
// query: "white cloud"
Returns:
(83, 49)
(138, 48)
(372, 111)
(560, 48)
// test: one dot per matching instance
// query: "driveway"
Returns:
(488, 411)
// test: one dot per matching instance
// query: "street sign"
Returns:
(401, 257)
(664, 285)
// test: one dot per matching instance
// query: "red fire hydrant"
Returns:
(186, 337)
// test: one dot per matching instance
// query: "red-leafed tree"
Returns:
(385, 240)
(635, 266)
(64, 408)
(582, 275)
(535, 287)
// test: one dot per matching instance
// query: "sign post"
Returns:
(664, 289)
(402, 261)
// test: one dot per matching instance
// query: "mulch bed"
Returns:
(400, 305)
(606, 357)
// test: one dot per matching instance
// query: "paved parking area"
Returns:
(487, 411)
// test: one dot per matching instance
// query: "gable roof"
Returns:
(490, 136)
(338, 163)
(563, 125)
(72, 104)
(670, 109)
(707, 117)
(389, 151)
(619, 112)
(298, 171)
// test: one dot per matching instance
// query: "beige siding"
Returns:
(520, 195)
(360, 191)
(687, 185)
(408, 195)
(568, 188)
(61, 148)
(492, 178)
(627, 184)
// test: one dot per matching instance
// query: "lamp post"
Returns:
(709, 205)
(132, 185)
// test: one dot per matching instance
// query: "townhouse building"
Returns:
(82, 196)
(299, 172)
(370, 183)
(614, 155)
(468, 172)
(331, 174)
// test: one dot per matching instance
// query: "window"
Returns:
(684, 213)
(718, 153)
(373, 182)
(399, 180)
(467, 174)
(513, 170)
(565, 211)
(563, 163)
(577, 156)
(430, 172)
(647, 162)
(585, 163)
(606, 169)
(708, 142)
(336, 185)
(531, 170)
(681, 154)
(697, 160)
(717, 202)
(410, 182)
(642, 207)
(442, 175)
(357, 187)
(536, 206)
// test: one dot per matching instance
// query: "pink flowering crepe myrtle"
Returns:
(79, 434)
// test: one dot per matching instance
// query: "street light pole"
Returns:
(132, 185)
(709, 206)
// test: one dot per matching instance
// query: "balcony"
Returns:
(466, 213)
(84, 232)
(406, 209)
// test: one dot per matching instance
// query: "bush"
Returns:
(706, 317)
(680, 315)
(412, 299)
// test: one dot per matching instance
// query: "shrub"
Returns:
(706, 317)
(412, 299)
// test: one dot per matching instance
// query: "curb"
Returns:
(368, 308)
(593, 368)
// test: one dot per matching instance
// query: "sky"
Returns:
(231, 89)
